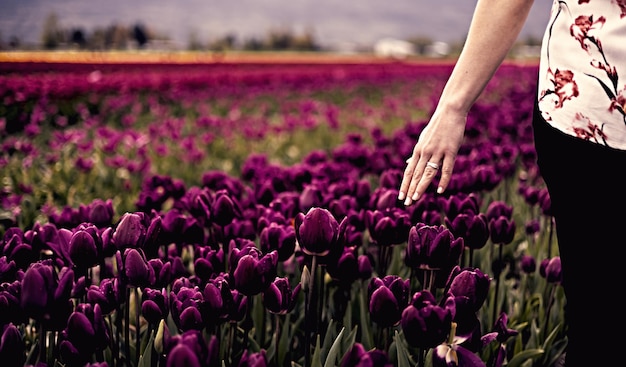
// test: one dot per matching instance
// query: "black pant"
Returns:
(588, 193)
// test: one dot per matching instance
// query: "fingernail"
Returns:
(439, 190)
(407, 202)
(415, 197)
(401, 196)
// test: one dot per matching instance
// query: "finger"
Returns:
(406, 178)
(446, 174)
(431, 168)
(418, 173)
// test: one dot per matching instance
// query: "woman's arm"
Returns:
(495, 26)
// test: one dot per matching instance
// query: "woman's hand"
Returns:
(436, 149)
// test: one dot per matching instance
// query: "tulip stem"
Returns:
(497, 278)
(42, 344)
(137, 329)
(127, 326)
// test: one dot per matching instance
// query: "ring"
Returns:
(432, 165)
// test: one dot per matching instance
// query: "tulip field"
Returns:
(223, 213)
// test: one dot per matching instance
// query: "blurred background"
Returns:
(435, 28)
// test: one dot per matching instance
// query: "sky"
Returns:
(332, 22)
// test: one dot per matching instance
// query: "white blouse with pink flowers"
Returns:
(583, 56)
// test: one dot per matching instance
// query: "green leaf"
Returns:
(316, 359)
(331, 359)
(146, 358)
(522, 357)
(403, 355)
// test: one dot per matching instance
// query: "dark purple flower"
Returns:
(46, 294)
(357, 356)
(472, 227)
(502, 230)
(388, 297)
(471, 284)
(182, 355)
(365, 267)
(154, 305)
(85, 245)
(86, 333)
(101, 213)
(136, 268)
(317, 231)
(253, 359)
(345, 268)
(130, 231)
(250, 271)
(426, 324)
(528, 264)
(224, 208)
(12, 347)
(279, 298)
(389, 227)
(279, 237)
(498, 209)
(551, 270)
(185, 307)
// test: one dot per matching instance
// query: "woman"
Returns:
(580, 137)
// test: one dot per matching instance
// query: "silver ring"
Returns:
(432, 165)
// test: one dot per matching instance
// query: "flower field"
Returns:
(224, 213)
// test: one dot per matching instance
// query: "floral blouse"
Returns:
(582, 73)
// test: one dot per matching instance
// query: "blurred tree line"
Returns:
(55, 36)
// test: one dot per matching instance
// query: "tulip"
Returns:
(502, 230)
(154, 305)
(86, 333)
(85, 245)
(551, 270)
(317, 231)
(12, 347)
(279, 298)
(426, 324)
(251, 359)
(182, 355)
(389, 227)
(472, 284)
(528, 264)
(130, 231)
(136, 268)
(388, 297)
(357, 356)
(224, 208)
(101, 212)
(472, 227)
(251, 271)
(46, 296)
(433, 249)
(281, 238)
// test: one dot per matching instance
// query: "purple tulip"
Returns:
(251, 271)
(86, 333)
(345, 268)
(471, 284)
(472, 227)
(426, 324)
(551, 270)
(252, 359)
(184, 307)
(279, 298)
(224, 208)
(498, 209)
(528, 264)
(388, 297)
(389, 227)
(279, 237)
(502, 230)
(12, 347)
(130, 231)
(136, 268)
(317, 231)
(154, 305)
(182, 355)
(46, 294)
(357, 356)
(101, 213)
(84, 246)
